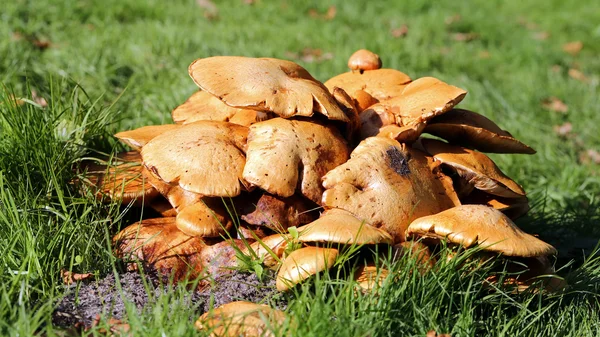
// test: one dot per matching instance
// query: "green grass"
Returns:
(131, 57)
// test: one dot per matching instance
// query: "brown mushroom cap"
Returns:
(241, 318)
(139, 137)
(340, 226)
(363, 59)
(470, 129)
(266, 84)
(220, 258)
(207, 218)
(175, 195)
(160, 244)
(373, 119)
(304, 263)
(121, 181)
(283, 154)
(421, 100)
(513, 208)
(202, 106)
(205, 157)
(363, 100)
(280, 213)
(475, 167)
(420, 251)
(276, 243)
(387, 184)
(369, 276)
(403, 134)
(469, 225)
(381, 83)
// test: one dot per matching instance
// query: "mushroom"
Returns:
(285, 155)
(279, 213)
(469, 225)
(340, 226)
(241, 318)
(268, 249)
(369, 276)
(139, 137)
(202, 106)
(122, 180)
(387, 184)
(206, 218)
(363, 100)
(163, 207)
(160, 244)
(304, 263)
(514, 208)
(363, 59)
(474, 167)
(205, 157)
(265, 84)
(470, 129)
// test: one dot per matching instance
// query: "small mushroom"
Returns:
(241, 318)
(265, 84)
(363, 100)
(304, 263)
(265, 248)
(122, 181)
(139, 137)
(474, 167)
(363, 59)
(470, 129)
(206, 218)
(369, 276)
(205, 157)
(202, 106)
(387, 184)
(468, 225)
(160, 244)
(286, 155)
(340, 226)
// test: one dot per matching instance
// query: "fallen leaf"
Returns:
(400, 32)
(210, 9)
(590, 156)
(556, 68)
(555, 104)
(41, 44)
(541, 36)
(527, 24)
(465, 37)
(70, 277)
(41, 101)
(329, 15)
(578, 75)
(563, 130)
(573, 48)
(116, 327)
(433, 333)
(484, 54)
(16, 36)
(453, 19)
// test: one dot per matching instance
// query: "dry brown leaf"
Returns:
(541, 35)
(590, 156)
(433, 333)
(578, 75)
(38, 99)
(400, 32)
(210, 9)
(563, 130)
(70, 277)
(16, 36)
(465, 37)
(556, 68)
(329, 15)
(573, 48)
(484, 54)
(116, 327)
(527, 24)
(453, 19)
(555, 104)
(41, 44)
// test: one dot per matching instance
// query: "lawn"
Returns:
(87, 69)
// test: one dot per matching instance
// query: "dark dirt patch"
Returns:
(103, 297)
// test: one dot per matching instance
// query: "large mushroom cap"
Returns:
(381, 83)
(469, 225)
(339, 226)
(205, 157)
(470, 129)
(475, 167)
(387, 184)
(139, 137)
(421, 100)
(123, 180)
(304, 263)
(158, 243)
(241, 318)
(265, 84)
(202, 106)
(363, 59)
(284, 155)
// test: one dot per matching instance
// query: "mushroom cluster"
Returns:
(267, 161)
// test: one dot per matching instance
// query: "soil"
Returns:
(88, 299)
